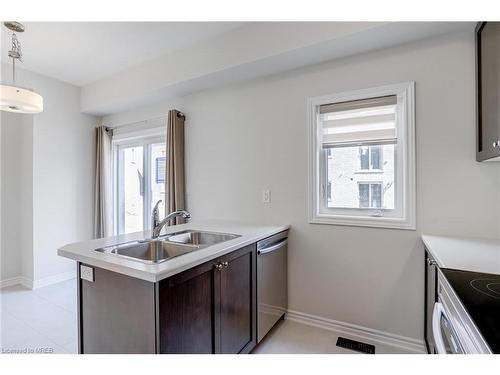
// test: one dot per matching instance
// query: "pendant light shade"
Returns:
(17, 99)
(14, 98)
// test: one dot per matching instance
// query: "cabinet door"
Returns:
(186, 311)
(488, 91)
(237, 319)
(430, 300)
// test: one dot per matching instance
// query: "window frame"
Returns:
(146, 141)
(404, 214)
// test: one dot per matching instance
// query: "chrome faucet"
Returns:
(157, 225)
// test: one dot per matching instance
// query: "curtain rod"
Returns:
(110, 128)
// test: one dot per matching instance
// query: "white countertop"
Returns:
(466, 254)
(85, 251)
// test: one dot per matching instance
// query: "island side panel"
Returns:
(117, 314)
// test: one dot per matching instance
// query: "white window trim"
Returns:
(145, 139)
(405, 93)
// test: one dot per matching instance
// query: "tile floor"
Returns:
(289, 337)
(46, 318)
(43, 318)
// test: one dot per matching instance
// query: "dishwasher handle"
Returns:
(273, 247)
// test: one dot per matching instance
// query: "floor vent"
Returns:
(356, 345)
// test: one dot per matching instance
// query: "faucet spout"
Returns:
(157, 226)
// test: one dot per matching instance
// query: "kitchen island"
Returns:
(203, 301)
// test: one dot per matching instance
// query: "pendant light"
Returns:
(14, 98)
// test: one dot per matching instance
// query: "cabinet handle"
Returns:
(431, 262)
(225, 264)
(219, 266)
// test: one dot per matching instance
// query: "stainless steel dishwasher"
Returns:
(272, 283)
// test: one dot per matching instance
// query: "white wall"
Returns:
(61, 185)
(17, 195)
(269, 48)
(249, 137)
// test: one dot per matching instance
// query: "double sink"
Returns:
(168, 246)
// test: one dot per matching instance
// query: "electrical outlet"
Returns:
(86, 273)
(266, 196)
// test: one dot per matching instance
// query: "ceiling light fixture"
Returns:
(14, 98)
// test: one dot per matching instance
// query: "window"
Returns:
(139, 169)
(370, 195)
(362, 158)
(370, 158)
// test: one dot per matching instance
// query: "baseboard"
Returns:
(402, 344)
(18, 280)
(40, 283)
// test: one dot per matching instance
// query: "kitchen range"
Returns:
(207, 287)
(462, 295)
(462, 278)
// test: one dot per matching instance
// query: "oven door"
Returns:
(445, 338)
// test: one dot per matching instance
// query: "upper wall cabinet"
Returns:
(488, 91)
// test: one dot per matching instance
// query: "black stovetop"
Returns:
(480, 295)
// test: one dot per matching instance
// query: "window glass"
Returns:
(364, 195)
(140, 173)
(376, 196)
(158, 175)
(344, 178)
(132, 187)
(375, 156)
(364, 157)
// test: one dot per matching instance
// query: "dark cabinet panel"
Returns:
(237, 301)
(488, 90)
(430, 300)
(210, 308)
(186, 306)
(116, 314)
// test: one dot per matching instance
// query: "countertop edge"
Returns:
(152, 275)
(429, 247)
(464, 253)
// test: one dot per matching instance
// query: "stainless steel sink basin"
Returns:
(168, 246)
(155, 251)
(200, 238)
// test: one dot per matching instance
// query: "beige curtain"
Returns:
(175, 189)
(103, 207)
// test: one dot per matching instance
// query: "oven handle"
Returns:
(436, 327)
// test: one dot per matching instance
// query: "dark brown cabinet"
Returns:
(210, 308)
(187, 311)
(237, 302)
(488, 90)
(430, 300)
(116, 314)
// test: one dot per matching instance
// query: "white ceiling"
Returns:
(84, 52)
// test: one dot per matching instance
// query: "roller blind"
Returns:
(355, 122)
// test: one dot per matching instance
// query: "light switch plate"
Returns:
(86, 273)
(266, 196)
